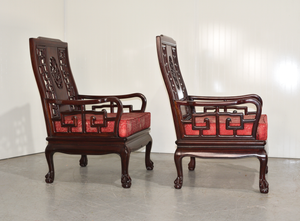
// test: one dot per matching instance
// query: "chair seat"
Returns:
(262, 131)
(130, 123)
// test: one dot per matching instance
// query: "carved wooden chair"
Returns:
(85, 124)
(212, 127)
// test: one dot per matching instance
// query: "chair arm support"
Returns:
(125, 96)
(217, 104)
(92, 101)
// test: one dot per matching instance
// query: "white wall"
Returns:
(112, 51)
(225, 48)
(22, 128)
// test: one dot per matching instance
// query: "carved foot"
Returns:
(83, 161)
(263, 186)
(191, 168)
(192, 164)
(149, 165)
(126, 181)
(49, 177)
(178, 183)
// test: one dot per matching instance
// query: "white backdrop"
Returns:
(22, 128)
(225, 48)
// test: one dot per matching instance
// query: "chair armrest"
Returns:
(79, 102)
(125, 96)
(226, 98)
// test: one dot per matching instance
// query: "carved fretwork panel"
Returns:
(219, 123)
(176, 83)
(62, 55)
(100, 123)
(55, 73)
(46, 78)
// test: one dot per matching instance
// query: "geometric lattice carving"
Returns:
(176, 82)
(174, 73)
(55, 73)
(49, 89)
(174, 76)
(65, 72)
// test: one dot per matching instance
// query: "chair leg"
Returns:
(49, 156)
(192, 164)
(263, 183)
(178, 163)
(83, 161)
(148, 161)
(125, 179)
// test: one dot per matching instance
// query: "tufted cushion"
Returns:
(130, 123)
(262, 131)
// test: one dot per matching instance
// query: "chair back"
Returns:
(53, 76)
(169, 66)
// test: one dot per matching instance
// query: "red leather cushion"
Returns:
(262, 131)
(130, 123)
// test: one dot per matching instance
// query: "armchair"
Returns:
(212, 127)
(85, 124)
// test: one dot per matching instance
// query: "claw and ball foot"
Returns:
(149, 165)
(49, 177)
(83, 161)
(263, 186)
(192, 164)
(148, 161)
(126, 181)
(178, 182)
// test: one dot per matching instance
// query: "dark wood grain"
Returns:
(60, 98)
(185, 110)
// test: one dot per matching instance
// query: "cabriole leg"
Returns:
(263, 183)
(178, 163)
(148, 162)
(125, 179)
(49, 156)
(83, 161)
(192, 164)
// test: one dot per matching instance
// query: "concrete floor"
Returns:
(216, 190)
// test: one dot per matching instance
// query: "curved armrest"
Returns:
(75, 102)
(86, 102)
(125, 96)
(219, 102)
(226, 98)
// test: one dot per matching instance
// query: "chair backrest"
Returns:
(53, 75)
(168, 61)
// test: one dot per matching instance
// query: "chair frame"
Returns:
(59, 103)
(183, 108)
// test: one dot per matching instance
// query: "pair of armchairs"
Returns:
(206, 127)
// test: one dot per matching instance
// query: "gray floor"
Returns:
(216, 190)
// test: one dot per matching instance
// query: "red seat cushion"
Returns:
(262, 131)
(130, 123)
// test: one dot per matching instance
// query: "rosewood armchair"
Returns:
(212, 127)
(85, 124)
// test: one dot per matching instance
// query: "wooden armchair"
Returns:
(85, 124)
(212, 127)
